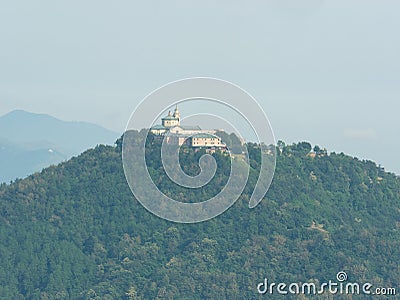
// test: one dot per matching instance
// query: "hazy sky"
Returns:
(324, 71)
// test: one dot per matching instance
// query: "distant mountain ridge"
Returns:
(31, 141)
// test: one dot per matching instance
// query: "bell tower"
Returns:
(177, 115)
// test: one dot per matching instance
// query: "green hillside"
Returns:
(74, 231)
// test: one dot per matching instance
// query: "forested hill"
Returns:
(74, 231)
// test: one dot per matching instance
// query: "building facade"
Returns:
(193, 136)
(171, 120)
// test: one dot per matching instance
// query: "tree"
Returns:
(132, 293)
(301, 149)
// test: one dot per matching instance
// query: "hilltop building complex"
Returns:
(192, 136)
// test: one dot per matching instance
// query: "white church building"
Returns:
(193, 136)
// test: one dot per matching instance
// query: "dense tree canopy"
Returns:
(74, 231)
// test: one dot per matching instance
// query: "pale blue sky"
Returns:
(324, 71)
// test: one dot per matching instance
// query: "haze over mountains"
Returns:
(30, 142)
